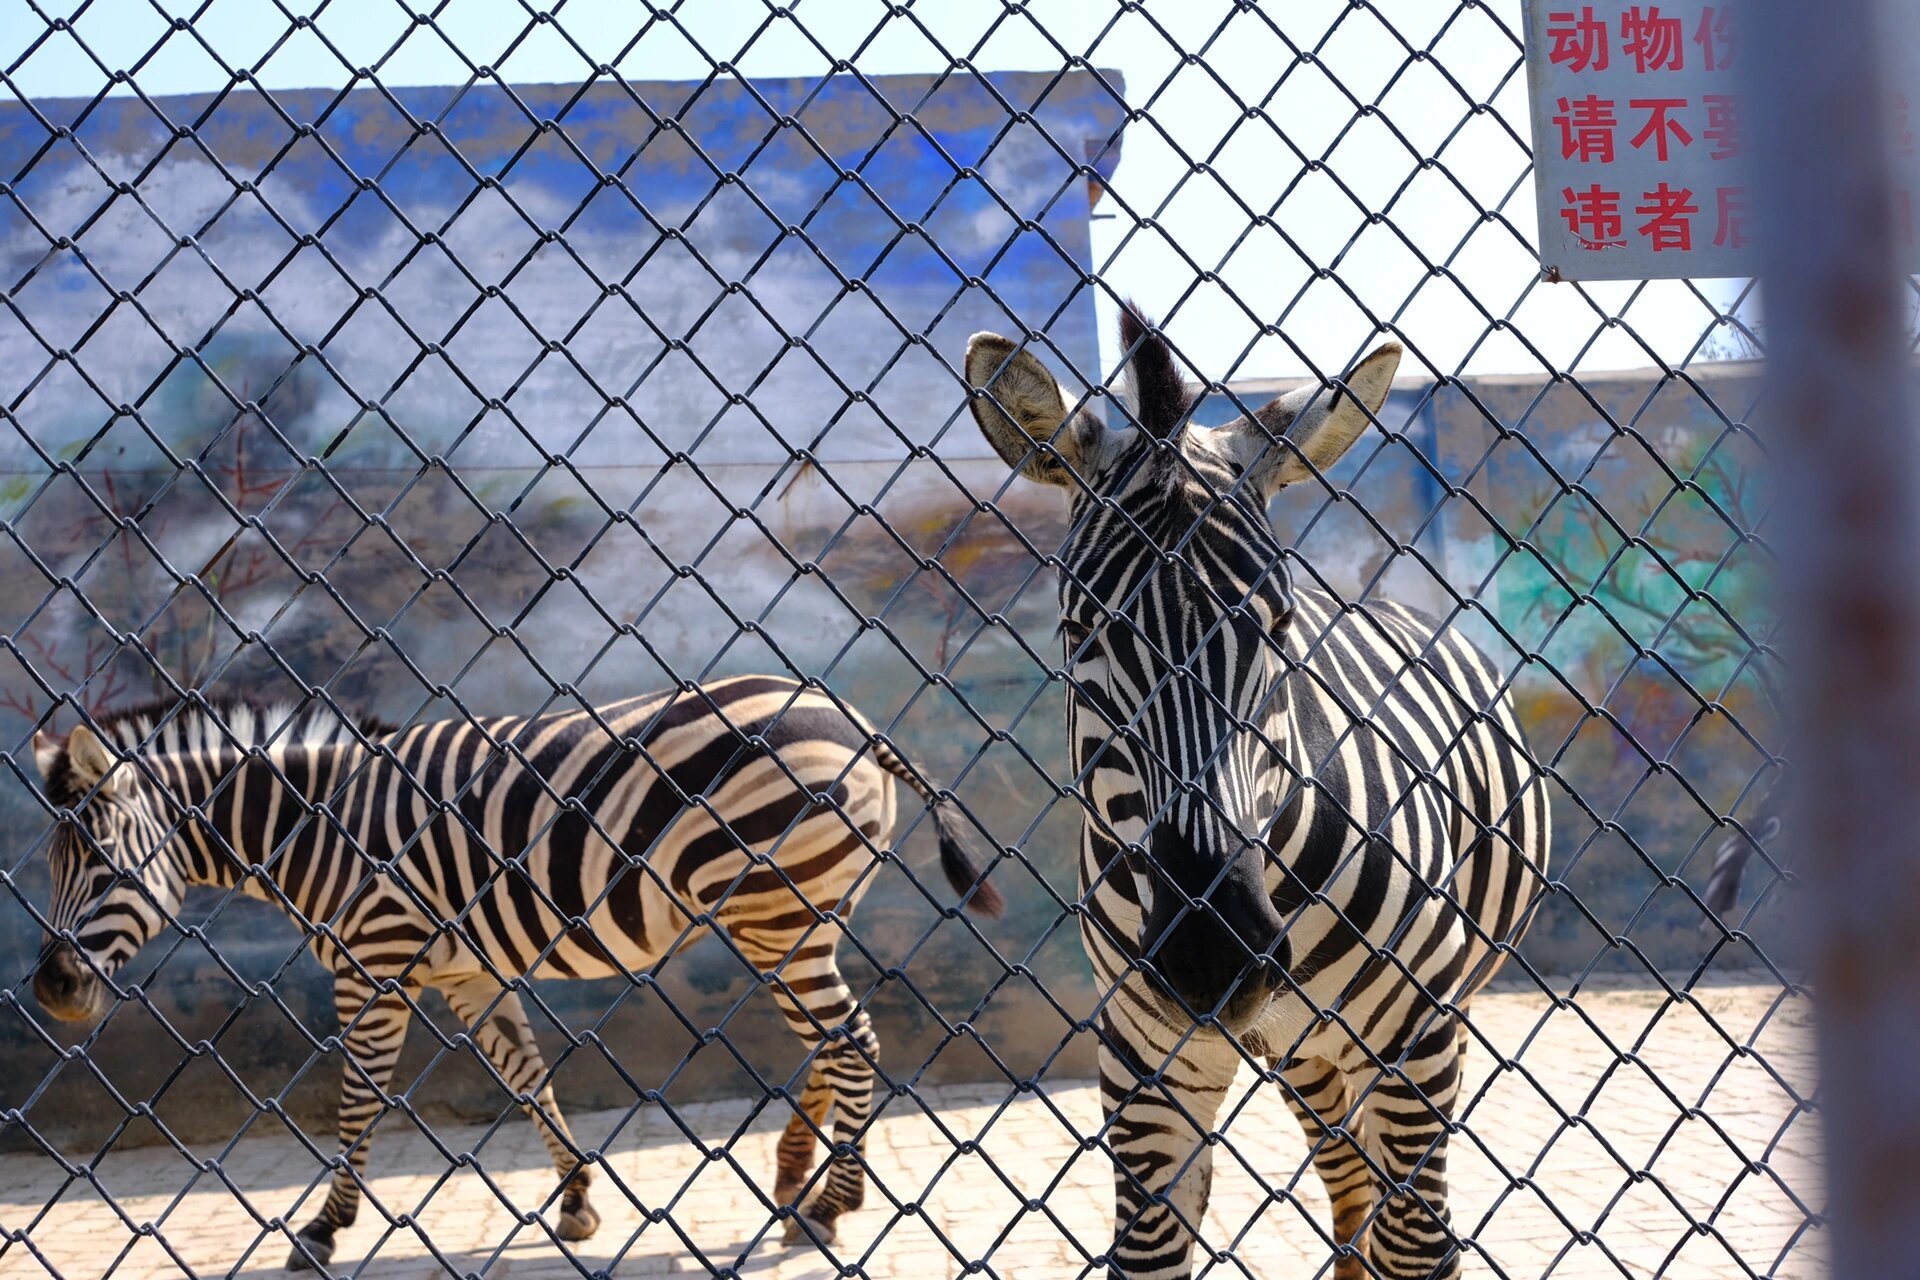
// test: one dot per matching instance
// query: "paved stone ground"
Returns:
(1578, 1165)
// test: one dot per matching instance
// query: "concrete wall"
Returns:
(1567, 525)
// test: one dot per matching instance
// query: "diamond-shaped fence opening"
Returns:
(525, 592)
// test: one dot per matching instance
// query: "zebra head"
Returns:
(1175, 602)
(114, 880)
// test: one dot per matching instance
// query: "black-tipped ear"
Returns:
(1159, 392)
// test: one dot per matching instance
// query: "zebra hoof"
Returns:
(787, 1190)
(804, 1228)
(312, 1249)
(580, 1222)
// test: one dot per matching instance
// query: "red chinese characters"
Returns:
(1655, 41)
(1586, 129)
(1579, 40)
(1731, 232)
(1666, 214)
(1668, 224)
(1661, 124)
(1723, 126)
(1714, 34)
(1593, 215)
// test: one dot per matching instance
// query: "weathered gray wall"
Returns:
(1551, 507)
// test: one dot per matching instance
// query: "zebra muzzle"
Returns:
(66, 986)
(1223, 954)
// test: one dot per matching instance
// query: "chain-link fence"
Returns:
(536, 508)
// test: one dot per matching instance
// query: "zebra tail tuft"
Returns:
(964, 851)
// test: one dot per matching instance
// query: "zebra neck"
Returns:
(260, 828)
(1286, 731)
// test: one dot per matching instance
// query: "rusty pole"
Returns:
(1841, 423)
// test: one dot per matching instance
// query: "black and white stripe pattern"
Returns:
(1312, 830)
(466, 855)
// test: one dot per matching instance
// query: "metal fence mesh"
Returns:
(501, 399)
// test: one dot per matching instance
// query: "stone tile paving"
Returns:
(1626, 1137)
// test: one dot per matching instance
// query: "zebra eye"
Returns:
(1075, 635)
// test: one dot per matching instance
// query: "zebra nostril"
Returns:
(53, 986)
(59, 978)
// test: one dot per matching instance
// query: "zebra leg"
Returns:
(498, 1021)
(1317, 1092)
(815, 999)
(798, 1143)
(846, 1062)
(375, 1028)
(1164, 1166)
(1408, 1114)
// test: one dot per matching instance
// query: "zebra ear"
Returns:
(1317, 424)
(89, 758)
(46, 752)
(1020, 406)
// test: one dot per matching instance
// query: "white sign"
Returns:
(1639, 145)
(1639, 140)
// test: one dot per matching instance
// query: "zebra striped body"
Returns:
(1312, 831)
(1353, 859)
(468, 855)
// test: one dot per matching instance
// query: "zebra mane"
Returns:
(166, 727)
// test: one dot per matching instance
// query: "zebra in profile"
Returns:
(1312, 830)
(464, 855)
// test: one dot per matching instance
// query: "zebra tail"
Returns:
(963, 850)
(1723, 883)
(1730, 863)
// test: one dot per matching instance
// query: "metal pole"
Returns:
(1842, 425)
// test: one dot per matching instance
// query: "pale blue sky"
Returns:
(1204, 261)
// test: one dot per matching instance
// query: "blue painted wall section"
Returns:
(600, 405)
